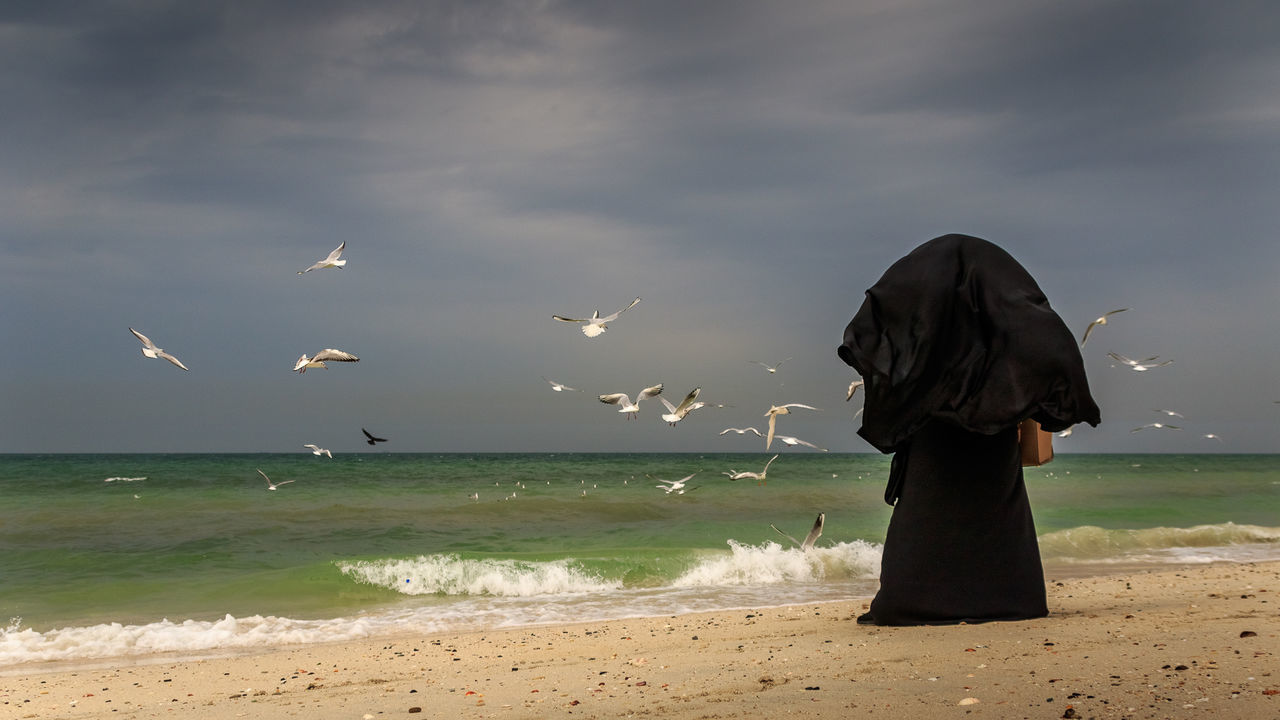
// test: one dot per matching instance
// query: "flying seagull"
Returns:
(150, 350)
(759, 477)
(777, 410)
(1139, 365)
(771, 368)
(1171, 413)
(317, 450)
(626, 405)
(1157, 426)
(674, 485)
(273, 485)
(677, 413)
(330, 262)
(595, 325)
(372, 440)
(1100, 321)
(741, 431)
(559, 387)
(813, 535)
(793, 441)
(853, 388)
(322, 357)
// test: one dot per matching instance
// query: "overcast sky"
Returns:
(747, 168)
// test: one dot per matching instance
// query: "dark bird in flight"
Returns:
(372, 440)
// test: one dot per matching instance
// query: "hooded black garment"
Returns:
(957, 345)
(959, 331)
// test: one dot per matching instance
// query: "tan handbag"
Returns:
(1035, 445)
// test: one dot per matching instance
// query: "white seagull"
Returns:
(1067, 432)
(771, 368)
(330, 262)
(793, 441)
(1100, 321)
(1170, 413)
(1139, 365)
(677, 413)
(741, 431)
(595, 325)
(317, 450)
(273, 485)
(559, 387)
(811, 538)
(1157, 426)
(777, 410)
(322, 357)
(625, 402)
(853, 388)
(150, 350)
(759, 477)
(671, 486)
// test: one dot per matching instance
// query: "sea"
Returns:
(120, 557)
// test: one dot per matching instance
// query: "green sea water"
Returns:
(123, 554)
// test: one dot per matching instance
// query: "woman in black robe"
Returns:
(957, 345)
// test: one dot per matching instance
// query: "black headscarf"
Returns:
(959, 330)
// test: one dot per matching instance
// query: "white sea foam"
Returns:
(1222, 541)
(452, 575)
(771, 564)
(114, 639)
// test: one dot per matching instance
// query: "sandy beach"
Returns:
(1190, 642)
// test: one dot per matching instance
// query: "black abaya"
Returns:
(957, 345)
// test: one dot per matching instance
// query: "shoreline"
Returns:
(1176, 642)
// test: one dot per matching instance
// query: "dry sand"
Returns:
(1186, 643)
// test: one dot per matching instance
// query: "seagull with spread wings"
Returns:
(793, 441)
(322, 357)
(150, 350)
(372, 440)
(811, 538)
(676, 413)
(317, 450)
(595, 325)
(1099, 321)
(771, 368)
(1139, 365)
(331, 261)
(759, 477)
(559, 387)
(624, 401)
(273, 485)
(775, 411)
(741, 431)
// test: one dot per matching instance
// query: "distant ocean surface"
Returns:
(108, 556)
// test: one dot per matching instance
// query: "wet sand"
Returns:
(1194, 642)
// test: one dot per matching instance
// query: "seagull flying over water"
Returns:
(320, 358)
(150, 350)
(330, 262)
(853, 388)
(741, 431)
(677, 413)
(273, 485)
(771, 368)
(676, 486)
(811, 538)
(372, 440)
(1139, 365)
(625, 402)
(559, 387)
(317, 450)
(595, 325)
(793, 441)
(759, 477)
(777, 410)
(1100, 321)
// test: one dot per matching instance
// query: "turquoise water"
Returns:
(95, 561)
